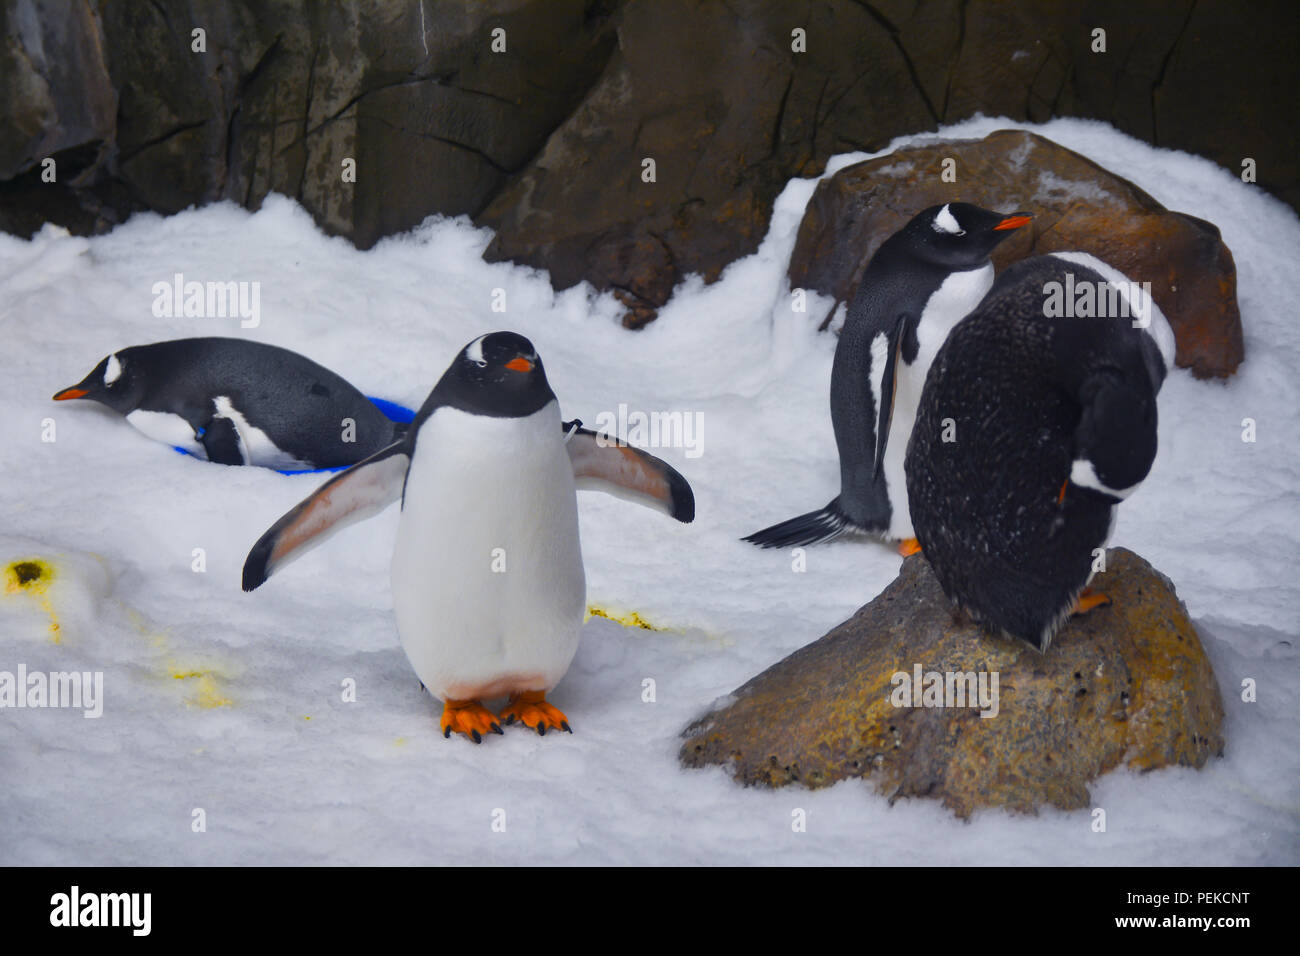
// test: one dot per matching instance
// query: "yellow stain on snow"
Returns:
(156, 638)
(203, 685)
(626, 618)
(206, 692)
(32, 576)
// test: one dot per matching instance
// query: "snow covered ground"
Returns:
(232, 702)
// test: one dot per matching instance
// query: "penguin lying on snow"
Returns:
(921, 282)
(238, 402)
(488, 584)
(1031, 431)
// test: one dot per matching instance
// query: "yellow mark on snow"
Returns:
(157, 638)
(32, 576)
(206, 691)
(627, 619)
(203, 685)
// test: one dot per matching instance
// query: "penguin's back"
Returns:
(285, 407)
(990, 452)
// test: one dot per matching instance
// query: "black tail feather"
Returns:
(811, 528)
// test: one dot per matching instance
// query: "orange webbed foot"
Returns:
(1089, 599)
(908, 547)
(470, 718)
(531, 709)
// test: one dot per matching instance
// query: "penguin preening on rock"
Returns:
(1033, 427)
(920, 283)
(238, 402)
(489, 589)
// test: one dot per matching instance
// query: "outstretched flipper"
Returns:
(602, 464)
(361, 492)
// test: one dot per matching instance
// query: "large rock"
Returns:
(56, 102)
(544, 141)
(1077, 205)
(1129, 683)
(284, 92)
(715, 96)
(55, 92)
(413, 93)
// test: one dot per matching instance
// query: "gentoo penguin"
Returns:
(488, 584)
(238, 402)
(920, 283)
(1036, 422)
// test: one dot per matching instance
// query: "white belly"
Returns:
(488, 583)
(949, 304)
(167, 428)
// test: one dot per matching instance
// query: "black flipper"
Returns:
(811, 528)
(220, 440)
(888, 385)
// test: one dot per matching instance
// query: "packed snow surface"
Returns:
(233, 704)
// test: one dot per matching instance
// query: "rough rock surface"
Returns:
(1129, 683)
(284, 92)
(1077, 205)
(544, 140)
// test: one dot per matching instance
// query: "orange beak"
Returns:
(68, 393)
(520, 364)
(1014, 222)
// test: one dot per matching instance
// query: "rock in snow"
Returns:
(1128, 683)
(1077, 205)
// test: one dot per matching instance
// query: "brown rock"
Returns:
(1077, 205)
(715, 95)
(1129, 683)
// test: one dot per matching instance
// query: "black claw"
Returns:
(477, 738)
(510, 720)
(446, 732)
(541, 729)
(565, 725)
(496, 729)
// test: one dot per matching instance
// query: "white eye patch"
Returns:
(945, 221)
(112, 371)
(474, 351)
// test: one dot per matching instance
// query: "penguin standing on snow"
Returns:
(489, 590)
(1034, 426)
(921, 282)
(237, 402)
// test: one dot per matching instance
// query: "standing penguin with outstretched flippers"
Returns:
(489, 590)
(1034, 426)
(921, 282)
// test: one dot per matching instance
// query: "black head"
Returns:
(117, 381)
(1118, 424)
(956, 235)
(499, 374)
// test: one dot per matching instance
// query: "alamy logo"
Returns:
(102, 909)
(1100, 300)
(948, 689)
(652, 430)
(208, 300)
(84, 689)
